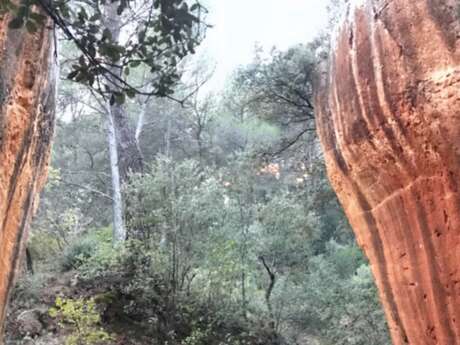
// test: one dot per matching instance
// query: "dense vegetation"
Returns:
(234, 235)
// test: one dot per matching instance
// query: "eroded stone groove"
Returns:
(27, 95)
(388, 113)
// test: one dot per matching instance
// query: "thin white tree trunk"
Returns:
(140, 122)
(112, 23)
(168, 138)
(119, 230)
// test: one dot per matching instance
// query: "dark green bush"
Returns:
(77, 253)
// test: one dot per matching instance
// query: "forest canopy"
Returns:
(115, 36)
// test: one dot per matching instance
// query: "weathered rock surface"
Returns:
(26, 128)
(389, 121)
(29, 322)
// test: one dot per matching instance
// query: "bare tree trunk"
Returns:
(129, 154)
(125, 154)
(168, 138)
(388, 114)
(119, 230)
(27, 100)
(243, 256)
(29, 262)
(268, 292)
(140, 123)
(243, 294)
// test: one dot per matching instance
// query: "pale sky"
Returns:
(239, 24)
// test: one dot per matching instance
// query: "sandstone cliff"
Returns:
(26, 128)
(389, 121)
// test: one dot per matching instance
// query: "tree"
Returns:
(128, 158)
(279, 88)
(200, 114)
(119, 227)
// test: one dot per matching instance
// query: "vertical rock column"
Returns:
(388, 115)
(27, 95)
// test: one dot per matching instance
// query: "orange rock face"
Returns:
(26, 127)
(389, 121)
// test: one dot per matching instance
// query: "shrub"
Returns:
(197, 337)
(103, 257)
(83, 317)
(43, 246)
(77, 253)
(28, 287)
(95, 248)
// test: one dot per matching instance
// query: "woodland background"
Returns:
(232, 233)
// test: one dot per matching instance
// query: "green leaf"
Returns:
(82, 14)
(16, 23)
(93, 28)
(113, 53)
(131, 93)
(135, 63)
(82, 76)
(22, 12)
(91, 79)
(53, 312)
(107, 34)
(92, 50)
(119, 98)
(82, 60)
(31, 27)
(95, 17)
(39, 18)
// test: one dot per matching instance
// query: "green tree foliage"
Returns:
(159, 34)
(341, 300)
(282, 82)
(277, 87)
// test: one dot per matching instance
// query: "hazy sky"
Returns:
(239, 24)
